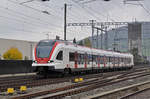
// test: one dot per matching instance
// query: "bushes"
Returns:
(12, 54)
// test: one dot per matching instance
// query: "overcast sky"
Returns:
(33, 20)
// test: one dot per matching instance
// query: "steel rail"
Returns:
(101, 82)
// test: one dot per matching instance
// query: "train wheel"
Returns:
(66, 72)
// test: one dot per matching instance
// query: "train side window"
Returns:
(60, 55)
(88, 59)
(109, 59)
(71, 57)
(121, 59)
(129, 60)
(106, 59)
(79, 58)
(118, 60)
(96, 59)
(101, 60)
(82, 58)
(113, 60)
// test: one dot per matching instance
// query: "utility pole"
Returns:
(92, 22)
(97, 38)
(101, 37)
(65, 20)
(106, 38)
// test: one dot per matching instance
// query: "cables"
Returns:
(24, 20)
(144, 8)
(88, 11)
(37, 10)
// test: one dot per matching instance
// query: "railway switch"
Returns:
(10, 90)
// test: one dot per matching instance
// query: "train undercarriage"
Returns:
(45, 71)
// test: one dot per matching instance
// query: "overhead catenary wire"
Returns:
(87, 10)
(28, 22)
(94, 10)
(69, 15)
(50, 10)
(90, 10)
(144, 8)
(34, 9)
(25, 21)
(17, 31)
(117, 5)
(73, 15)
(24, 16)
(21, 21)
(37, 10)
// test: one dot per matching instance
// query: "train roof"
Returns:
(94, 50)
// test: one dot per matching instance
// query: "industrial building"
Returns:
(25, 47)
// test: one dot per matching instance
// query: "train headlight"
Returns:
(35, 61)
(49, 61)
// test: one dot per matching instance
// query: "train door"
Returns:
(101, 62)
(108, 61)
(104, 59)
(98, 60)
(114, 62)
(118, 60)
(76, 59)
(85, 60)
(66, 58)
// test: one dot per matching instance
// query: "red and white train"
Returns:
(66, 57)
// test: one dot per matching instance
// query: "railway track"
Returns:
(32, 81)
(127, 92)
(84, 86)
(139, 92)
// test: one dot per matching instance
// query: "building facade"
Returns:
(25, 47)
(135, 37)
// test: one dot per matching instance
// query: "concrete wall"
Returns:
(15, 66)
(25, 47)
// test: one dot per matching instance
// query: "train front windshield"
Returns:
(44, 48)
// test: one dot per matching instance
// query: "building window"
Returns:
(60, 55)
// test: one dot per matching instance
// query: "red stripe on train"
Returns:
(53, 50)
